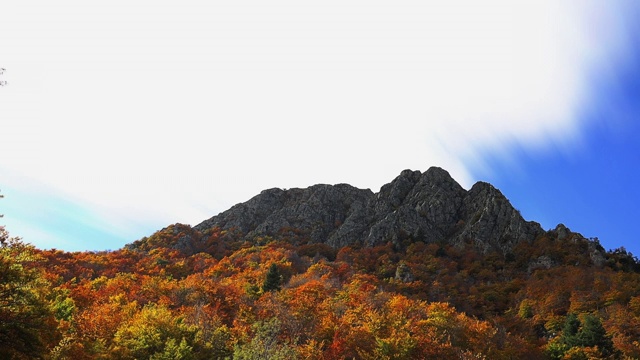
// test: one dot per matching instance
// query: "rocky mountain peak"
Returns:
(494, 219)
(415, 206)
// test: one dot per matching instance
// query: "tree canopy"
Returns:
(286, 299)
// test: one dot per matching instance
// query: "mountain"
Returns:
(423, 269)
(429, 207)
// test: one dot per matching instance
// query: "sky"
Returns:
(119, 118)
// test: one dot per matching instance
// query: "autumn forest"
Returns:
(284, 298)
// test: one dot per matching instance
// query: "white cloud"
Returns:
(163, 112)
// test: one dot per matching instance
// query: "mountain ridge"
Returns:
(421, 269)
(425, 206)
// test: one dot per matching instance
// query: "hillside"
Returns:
(423, 269)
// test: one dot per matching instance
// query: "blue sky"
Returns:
(593, 189)
(120, 119)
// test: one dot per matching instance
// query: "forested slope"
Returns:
(287, 298)
(423, 269)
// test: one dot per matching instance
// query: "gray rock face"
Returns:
(542, 262)
(419, 206)
(318, 210)
(595, 250)
(491, 220)
(415, 206)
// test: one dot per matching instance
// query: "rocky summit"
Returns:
(415, 206)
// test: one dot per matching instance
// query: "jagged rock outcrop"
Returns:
(594, 249)
(490, 218)
(319, 210)
(419, 206)
(415, 206)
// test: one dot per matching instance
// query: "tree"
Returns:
(578, 336)
(173, 351)
(570, 330)
(154, 333)
(273, 279)
(593, 333)
(265, 344)
(25, 315)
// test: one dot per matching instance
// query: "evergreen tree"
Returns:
(578, 335)
(570, 330)
(593, 333)
(273, 279)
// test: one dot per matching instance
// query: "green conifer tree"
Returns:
(577, 335)
(273, 279)
(593, 333)
(570, 330)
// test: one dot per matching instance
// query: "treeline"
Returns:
(284, 298)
